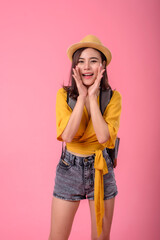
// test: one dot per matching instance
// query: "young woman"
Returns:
(85, 170)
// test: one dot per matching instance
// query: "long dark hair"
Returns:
(72, 88)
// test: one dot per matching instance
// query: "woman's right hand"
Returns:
(82, 90)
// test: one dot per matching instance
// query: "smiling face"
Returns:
(88, 64)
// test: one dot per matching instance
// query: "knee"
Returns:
(102, 237)
(51, 237)
(105, 237)
(94, 238)
(57, 237)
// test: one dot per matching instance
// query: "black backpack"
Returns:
(104, 99)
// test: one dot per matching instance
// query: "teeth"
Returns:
(87, 74)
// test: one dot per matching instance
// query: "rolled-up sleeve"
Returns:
(112, 118)
(63, 112)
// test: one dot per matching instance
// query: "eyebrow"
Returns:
(90, 58)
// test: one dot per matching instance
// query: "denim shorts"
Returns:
(74, 179)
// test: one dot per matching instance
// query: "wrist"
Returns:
(93, 97)
(81, 98)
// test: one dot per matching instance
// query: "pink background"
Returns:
(33, 64)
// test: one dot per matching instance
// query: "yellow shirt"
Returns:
(85, 141)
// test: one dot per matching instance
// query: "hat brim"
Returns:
(101, 48)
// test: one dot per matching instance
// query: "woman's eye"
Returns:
(80, 61)
(93, 61)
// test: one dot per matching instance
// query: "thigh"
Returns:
(62, 215)
(107, 220)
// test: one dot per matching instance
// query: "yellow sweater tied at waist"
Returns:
(100, 169)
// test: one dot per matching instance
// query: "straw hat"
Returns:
(92, 42)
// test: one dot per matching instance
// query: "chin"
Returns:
(88, 83)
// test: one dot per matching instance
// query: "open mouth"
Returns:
(87, 74)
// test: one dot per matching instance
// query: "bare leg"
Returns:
(62, 215)
(107, 220)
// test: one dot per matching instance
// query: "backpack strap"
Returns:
(113, 153)
(104, 99)
(71, 102)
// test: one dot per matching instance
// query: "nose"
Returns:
(87, 65)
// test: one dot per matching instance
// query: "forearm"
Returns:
(74, 121)
(99, 124)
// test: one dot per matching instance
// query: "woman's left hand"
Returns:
(94, 88)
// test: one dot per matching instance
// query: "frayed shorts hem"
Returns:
(89, 198)
(112, 196)
(68, 199)
(105, 198)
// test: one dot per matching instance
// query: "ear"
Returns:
(104, 64)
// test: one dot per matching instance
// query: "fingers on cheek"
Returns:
(74, 77)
